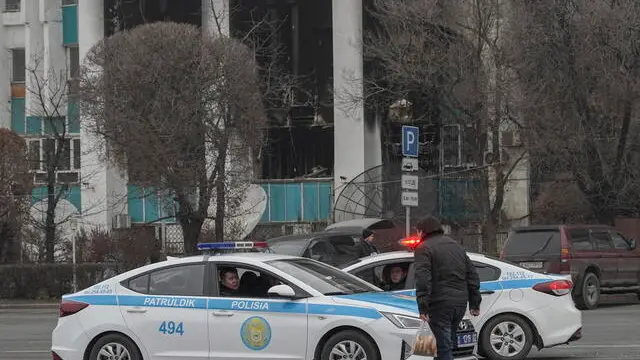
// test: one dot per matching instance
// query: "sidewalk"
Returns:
(11, 304)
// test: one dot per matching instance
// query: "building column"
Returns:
(54, 55)
(33, 58)
(5, 81)
(356, 141)
(104, 187)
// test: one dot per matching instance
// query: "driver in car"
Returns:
(229, 282)
(394, 277)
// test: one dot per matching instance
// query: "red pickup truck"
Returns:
(599, 258)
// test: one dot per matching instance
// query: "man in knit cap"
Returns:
(446, 281)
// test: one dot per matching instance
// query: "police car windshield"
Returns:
(323, 278)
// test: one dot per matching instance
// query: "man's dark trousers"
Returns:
(444, 324)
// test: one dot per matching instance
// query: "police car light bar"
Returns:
(411, 241)
(232, 245)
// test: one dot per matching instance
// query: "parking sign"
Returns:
(410, 141)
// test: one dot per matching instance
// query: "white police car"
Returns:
(235, 306)
(519, 309)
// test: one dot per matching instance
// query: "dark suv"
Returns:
(599, 259)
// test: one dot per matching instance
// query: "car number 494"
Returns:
(171, 328)
(467, 339)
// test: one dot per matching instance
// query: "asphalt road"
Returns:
(609, 333)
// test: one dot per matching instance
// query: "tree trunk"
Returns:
(221, 198)
(220, 207)
(191, 233)
(489, 238)
(50, 223)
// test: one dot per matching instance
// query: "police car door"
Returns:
(250, 325)
(165, 309)
(490, 288)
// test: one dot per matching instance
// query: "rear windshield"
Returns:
(288, 247)
(533, 242)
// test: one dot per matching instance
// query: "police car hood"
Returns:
(382, 301)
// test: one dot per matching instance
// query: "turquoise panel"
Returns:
(70, 24)
(17, 115)
(73, 195)
(299, 201)
(293, 204)
(135, 203)
(150, 205)
(34, 125)
(325, 199)
(167, 208)
(310, 193)
(277, 204)
(265, 215)
(54, 125)
(74, 118)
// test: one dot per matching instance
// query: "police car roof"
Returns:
(400, 254)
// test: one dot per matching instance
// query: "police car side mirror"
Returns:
(283, 291)
(632, 244)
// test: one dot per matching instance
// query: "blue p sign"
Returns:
(410, 141)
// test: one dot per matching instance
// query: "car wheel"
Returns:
(589, 297)
(351, 345)
(506, 337)
(114, 346)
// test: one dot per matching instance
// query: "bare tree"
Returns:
(447, 59)
(49, 93)
(169, 103)
(15, 192)
(579, 66)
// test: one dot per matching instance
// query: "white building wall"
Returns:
(104, 187)
(356, 144)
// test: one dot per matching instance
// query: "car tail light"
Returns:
(565, 253)
(55, 356)
(556, 288)
(68, 307)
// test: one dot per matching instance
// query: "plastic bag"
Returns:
(425, 344)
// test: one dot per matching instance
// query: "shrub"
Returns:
(48, 281)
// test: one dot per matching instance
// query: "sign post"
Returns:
(410, 147)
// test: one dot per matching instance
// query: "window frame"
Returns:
(613, 233)
(595, 242)
(215, 284)
(14, 8)
(13, 65)
(206, 281)
(480, 264)
(409, 282)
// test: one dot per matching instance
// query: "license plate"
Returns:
(532, 265)
(467, 339)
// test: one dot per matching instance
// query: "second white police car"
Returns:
(237, 306)
(520, 308)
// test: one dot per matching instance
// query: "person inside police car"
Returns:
(394, 276)
(446, 281)
(229, 282)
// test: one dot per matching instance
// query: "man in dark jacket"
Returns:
(366, 247)
(445, 281)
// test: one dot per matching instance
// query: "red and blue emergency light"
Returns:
(231, 245)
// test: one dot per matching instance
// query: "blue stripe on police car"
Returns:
(226, 304)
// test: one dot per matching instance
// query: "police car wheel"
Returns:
(506, 337)
(349, 345)
(114, 347)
